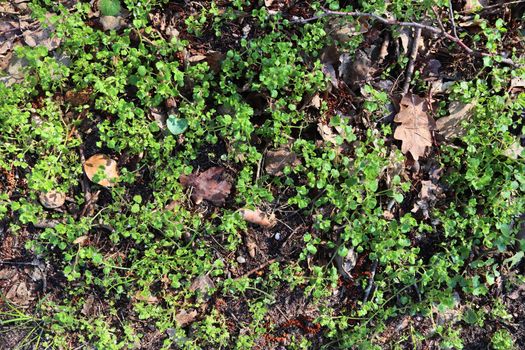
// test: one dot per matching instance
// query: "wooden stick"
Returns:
(423, 27)
(412, 60)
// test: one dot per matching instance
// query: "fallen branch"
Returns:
(258, 268)
(423, 27)
(412, 59)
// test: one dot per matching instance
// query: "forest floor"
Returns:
(262, 174)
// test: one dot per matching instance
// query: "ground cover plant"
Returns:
(262, 174)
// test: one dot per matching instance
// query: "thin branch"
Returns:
(423, 27)
(438, 19)
(504, 4)
(260, 267)
(452, 21)
(412, 59)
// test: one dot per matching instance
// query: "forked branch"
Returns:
(421, 26)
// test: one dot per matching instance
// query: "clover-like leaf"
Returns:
(176, 125)
(109, 7)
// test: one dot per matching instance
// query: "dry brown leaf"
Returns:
(81, 240)
(450, 126)
(344, 30)
(251, 246)
(327, 133)
(429, 194)
(7, 273)
(147, 298)
(111, 22)
(52, 199)
(346, 264)
(78, 98)
(203, 284)
(355, 71)
(517, 84)
(515, 150)
(416, 127)
(104, 164)
(210, 185)
(278, 159)
(473, 5)
(258, 217)
(184, 318)
(159, 116)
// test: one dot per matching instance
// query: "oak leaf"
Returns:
(210, 185)
(416, 127)
(450, 126)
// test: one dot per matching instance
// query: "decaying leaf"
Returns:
(395, 167)
(450, 126)
(111, 22)
(278, 159)
(416, 127)
(52, 199)
(203, 284)
(258, 217)
(473, 5)
(87, 308)
(19, 294)
(345, 264)
(78, 98)
(102, 164)
(429, 194)
(147, 298)
(210, 185)
(159, 116)
(251, 246)
(355, 71)
(81, 240)
(344, 30)
(517, 84)
(515, 150)
(184, 318)
(327, 133)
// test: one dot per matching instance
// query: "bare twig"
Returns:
(370, 282)
(34, 262)
(47, 223)
(423, 27)
(440, 23)
(504, 4)
(260, 267)
(452, 21)
(412, 59)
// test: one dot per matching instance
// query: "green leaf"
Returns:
(398, 197)
(176, 125)
(514, 260)
(109, 7)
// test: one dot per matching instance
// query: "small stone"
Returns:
(277, 236)
(241, 259)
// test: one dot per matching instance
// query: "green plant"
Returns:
(502, 340)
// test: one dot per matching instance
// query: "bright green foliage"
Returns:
(109, 7)
(472, 232)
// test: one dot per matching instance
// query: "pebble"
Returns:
(241, 259)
